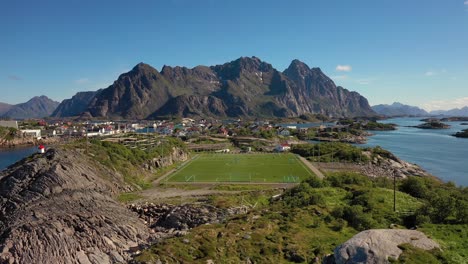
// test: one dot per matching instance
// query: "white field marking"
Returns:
(304, 166)
(182, 167)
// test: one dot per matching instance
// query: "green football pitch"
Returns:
(237, 168)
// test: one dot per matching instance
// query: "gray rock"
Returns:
(377, 245)
(57, 208)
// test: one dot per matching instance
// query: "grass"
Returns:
(271, 168)
(452, 239)
(128, 197)
(240, 187)
(286, 232)
(414, 255)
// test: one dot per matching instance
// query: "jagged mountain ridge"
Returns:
(399, 109)
(36, 107)
(246, 87)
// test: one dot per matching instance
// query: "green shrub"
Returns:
(340, 179)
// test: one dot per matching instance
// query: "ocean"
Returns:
(436, 151)
(11, 155)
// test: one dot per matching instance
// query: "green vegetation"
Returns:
(128, 159)
(328, 152)
(242, 168)
(128, 197)
(415, 255)
(310, 221)
(366, 125)
(452, 238)
(371, 125)
(7, 133)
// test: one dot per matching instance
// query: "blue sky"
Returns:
(414, 52)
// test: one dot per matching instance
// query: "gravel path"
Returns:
(312, 167)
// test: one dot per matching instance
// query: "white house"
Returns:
(31, 133)
(283, 147)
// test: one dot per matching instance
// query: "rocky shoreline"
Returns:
(28, 141)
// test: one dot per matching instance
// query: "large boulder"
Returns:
(377, 245)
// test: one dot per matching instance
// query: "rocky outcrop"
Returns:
(461, 134)
(378, 166)
(57, 208)
(378, 245)
(180, 217)
(389, 166)
(167, 220)
(176, 155)
(28, 141)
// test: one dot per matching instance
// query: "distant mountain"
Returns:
(76, 105)
(398, 109)
(246, 87)
(453, 112)
(37, 107)
(4, 108)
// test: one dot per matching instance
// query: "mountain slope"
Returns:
(245, 87)
(76, 105)
(135, 94)
(37, 107)
(4, 108)
(398, 109)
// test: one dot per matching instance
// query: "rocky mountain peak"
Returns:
(143, 68)
(297, 70)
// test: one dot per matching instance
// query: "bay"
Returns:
(435, 150)
(9, 156)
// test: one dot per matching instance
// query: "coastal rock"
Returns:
(377, 245)
(177, 154)
(57, 208)
(179, 217)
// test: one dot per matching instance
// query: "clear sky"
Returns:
(414, 52)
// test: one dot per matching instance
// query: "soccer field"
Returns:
(271, 168)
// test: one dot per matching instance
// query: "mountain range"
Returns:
(246, 87)
(399, 109)
(36, 107)
(453, 112)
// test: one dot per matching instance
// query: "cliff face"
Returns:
(57, 208)
(76, 105)
(246, 87)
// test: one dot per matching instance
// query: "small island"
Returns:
(461, 134)
(455, 118)
(432, 125)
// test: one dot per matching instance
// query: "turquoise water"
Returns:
(10, 156)
(434, 150)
